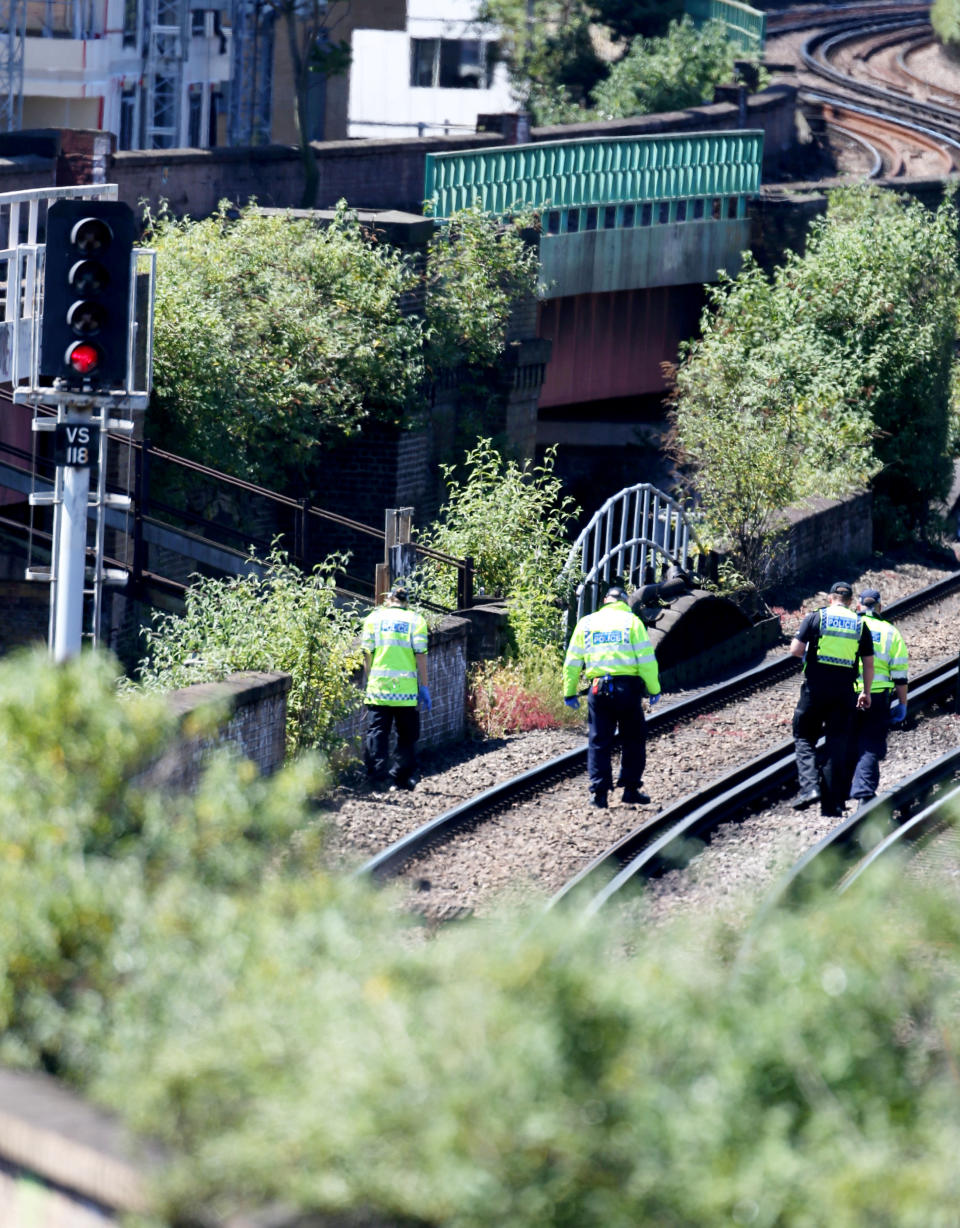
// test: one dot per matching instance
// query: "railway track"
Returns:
(926, 117)
(404, 855)
(870, 96)
(674, 836)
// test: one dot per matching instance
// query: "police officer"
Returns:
(394, 643)
(833, 643)
(612, 649)
(889, 679)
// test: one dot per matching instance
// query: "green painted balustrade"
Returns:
(593, 175)
(745, 25)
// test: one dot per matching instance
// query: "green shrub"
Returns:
(190, 962)
(831, 374)
(539, 1076)
(670, 73)
(512, 519)
(84, 844)
(281, 619)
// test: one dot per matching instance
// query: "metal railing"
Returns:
(746, 26)
(597, 171)
(163, 540)
(634, 532)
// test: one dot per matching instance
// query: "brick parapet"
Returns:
(254, 724)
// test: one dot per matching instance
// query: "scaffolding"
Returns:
(13, 26)
(166, 35)
(251, 72)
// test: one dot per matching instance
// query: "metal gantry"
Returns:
(13, 27)
(166, 34)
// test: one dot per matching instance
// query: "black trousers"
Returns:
(870, 744)
(621, 708)
(376, 743)
(828, 714)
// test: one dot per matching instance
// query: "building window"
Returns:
(216, 111)
(195, 116)
(128, 111)
(129, 26)
(452, 63)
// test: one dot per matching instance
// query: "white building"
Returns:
(437, 75)
(154, 72)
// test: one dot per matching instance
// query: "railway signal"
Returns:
(85, 332)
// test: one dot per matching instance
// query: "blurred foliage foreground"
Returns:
(190, 962)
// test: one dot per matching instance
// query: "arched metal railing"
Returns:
(631, 537)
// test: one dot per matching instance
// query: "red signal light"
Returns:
(83, 357)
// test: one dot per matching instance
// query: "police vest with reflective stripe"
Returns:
(839, 637)
(889, 655)
(612, 641)
(393, 637)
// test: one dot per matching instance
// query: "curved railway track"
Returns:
(445, 829)
(862, 53)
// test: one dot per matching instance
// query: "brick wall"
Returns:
(256, 705)
(827, 533)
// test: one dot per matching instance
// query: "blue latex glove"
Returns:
(898, 713)
(424, 697)
(654, 699)
(572, 702)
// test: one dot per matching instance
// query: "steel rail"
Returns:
(856, 842)
(390, 861)
(930, 819)
(929, 118)
(665, 841)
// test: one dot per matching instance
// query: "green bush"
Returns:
(272, 618)
(512, 519)
(832, 373)
(670, 73)
(274, 337)
(85, 843)
(190, 963)
(539, 1076)
(945, 19)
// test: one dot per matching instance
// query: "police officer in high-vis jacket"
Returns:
(394, 643)
(612, 650)
(888, 696)
(834, 642)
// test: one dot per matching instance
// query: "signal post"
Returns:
(85, 364)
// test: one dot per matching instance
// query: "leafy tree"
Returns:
(274, 336)
(310, 26)
(279, 619)
(945, 19)
(549, 51)
(668, 73)
(512, 519)
(834, 372)
(476, 272)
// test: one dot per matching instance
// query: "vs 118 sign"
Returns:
(76, 444)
